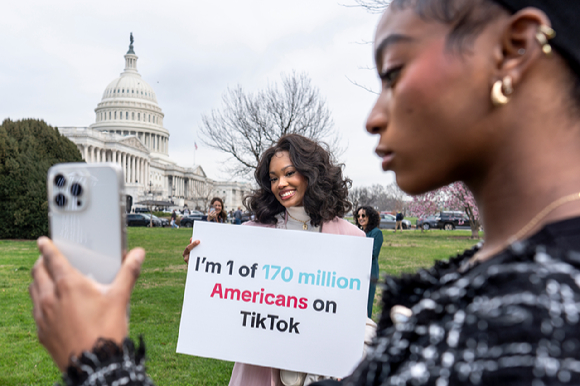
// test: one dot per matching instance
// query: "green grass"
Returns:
(157, 300)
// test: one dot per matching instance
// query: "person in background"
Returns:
(216, 212)
(238, 216)
(368, 219)
(174, 219)
(399, 221)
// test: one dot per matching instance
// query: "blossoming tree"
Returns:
(452, 197)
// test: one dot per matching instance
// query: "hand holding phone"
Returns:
(72, 316)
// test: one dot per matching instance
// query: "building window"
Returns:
(123, 91)
(115, 115)
(133, 116)
(132, 91)
(126, 115)
(138, 116)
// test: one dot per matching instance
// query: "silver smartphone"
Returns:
(86, 212)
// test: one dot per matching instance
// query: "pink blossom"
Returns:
(452, 197)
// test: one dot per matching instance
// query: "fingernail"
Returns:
(40, 241)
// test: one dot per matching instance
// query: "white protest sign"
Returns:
(286, 299)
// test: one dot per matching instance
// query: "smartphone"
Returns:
(86, 212)
(211, 210)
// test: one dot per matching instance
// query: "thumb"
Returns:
(125, 280)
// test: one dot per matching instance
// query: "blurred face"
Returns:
(217, 206)
(287, 184)
(433, 111)
(363, 220)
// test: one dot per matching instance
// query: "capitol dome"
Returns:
(129, 108)
(130, 87)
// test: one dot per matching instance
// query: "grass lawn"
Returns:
(157, 300)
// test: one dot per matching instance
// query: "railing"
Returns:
(82, 131)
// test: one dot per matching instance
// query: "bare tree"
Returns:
(202, 195)
(395, 196)
(374, 6)
(249, 123)
(379, 197)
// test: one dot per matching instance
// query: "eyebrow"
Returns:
(390, 40)
(284, 168)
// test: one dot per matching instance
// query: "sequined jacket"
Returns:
(512, 320)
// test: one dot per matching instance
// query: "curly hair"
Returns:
(223, 215)
(326, 195)
(373, 215)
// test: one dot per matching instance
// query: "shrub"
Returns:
(28, 148)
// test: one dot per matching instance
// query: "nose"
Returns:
(282, 183)
(377, 121)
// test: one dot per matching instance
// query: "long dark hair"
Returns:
(373, 215)
(326, 195)
(223, 215)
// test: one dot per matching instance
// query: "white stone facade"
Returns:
(129, 131)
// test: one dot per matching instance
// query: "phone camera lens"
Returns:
(60, 200)
(76, 189)
(59, 180)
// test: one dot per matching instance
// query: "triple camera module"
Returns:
(66, 193)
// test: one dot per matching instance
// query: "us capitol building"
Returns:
(129, 131)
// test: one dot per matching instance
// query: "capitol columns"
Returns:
(140, 174)
(123, 166)
(147, 174)
(132, 174)
(136, 175)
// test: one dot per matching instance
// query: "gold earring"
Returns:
(500, 90)
(544, 34)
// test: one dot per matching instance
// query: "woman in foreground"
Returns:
(487, 92)
(368, 219)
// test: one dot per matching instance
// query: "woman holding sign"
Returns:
(299, 188)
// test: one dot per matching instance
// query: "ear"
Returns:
(520, 48)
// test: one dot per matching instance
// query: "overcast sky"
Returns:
(58, 57)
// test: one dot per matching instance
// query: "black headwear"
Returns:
(565, 18)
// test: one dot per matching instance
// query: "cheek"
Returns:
(430, 83)
(301, 183)
(434, 111)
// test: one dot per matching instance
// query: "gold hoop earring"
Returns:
(500, 90)
(543, 35)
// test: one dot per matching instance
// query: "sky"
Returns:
(59, 56)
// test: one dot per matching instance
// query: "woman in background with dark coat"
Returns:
(368, 219)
